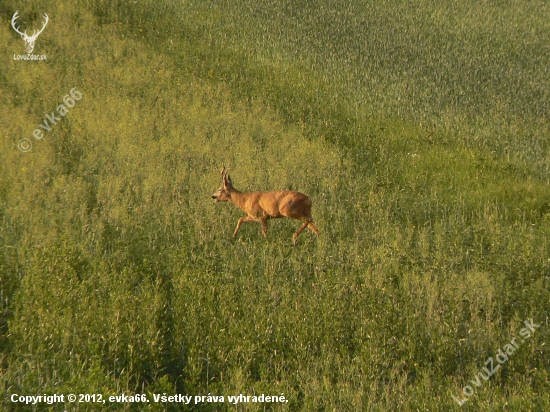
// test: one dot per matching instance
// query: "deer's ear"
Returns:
(227, 180)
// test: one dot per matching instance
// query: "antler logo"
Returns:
(29, 40)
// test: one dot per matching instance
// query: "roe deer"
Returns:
(261, 206)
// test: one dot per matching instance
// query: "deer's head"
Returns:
(29, 40)
(223, 194)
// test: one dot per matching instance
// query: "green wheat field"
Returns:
(421, 131)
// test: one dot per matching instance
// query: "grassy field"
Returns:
(419, 129)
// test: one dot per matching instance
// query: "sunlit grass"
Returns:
(119, 273)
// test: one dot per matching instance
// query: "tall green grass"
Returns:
(418, 129)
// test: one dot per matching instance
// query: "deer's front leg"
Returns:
(240, 222)
(263, 221)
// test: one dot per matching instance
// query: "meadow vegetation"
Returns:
(419, 129)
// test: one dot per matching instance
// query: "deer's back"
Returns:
(284, 203)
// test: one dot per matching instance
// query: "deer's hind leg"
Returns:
(313, 228)
(307, 222)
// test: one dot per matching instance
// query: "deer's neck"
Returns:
(238, 198)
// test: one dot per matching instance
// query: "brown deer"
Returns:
(261, 206)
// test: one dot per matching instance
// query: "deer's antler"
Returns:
(35, 32)
(15, 16)
(224, 172)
